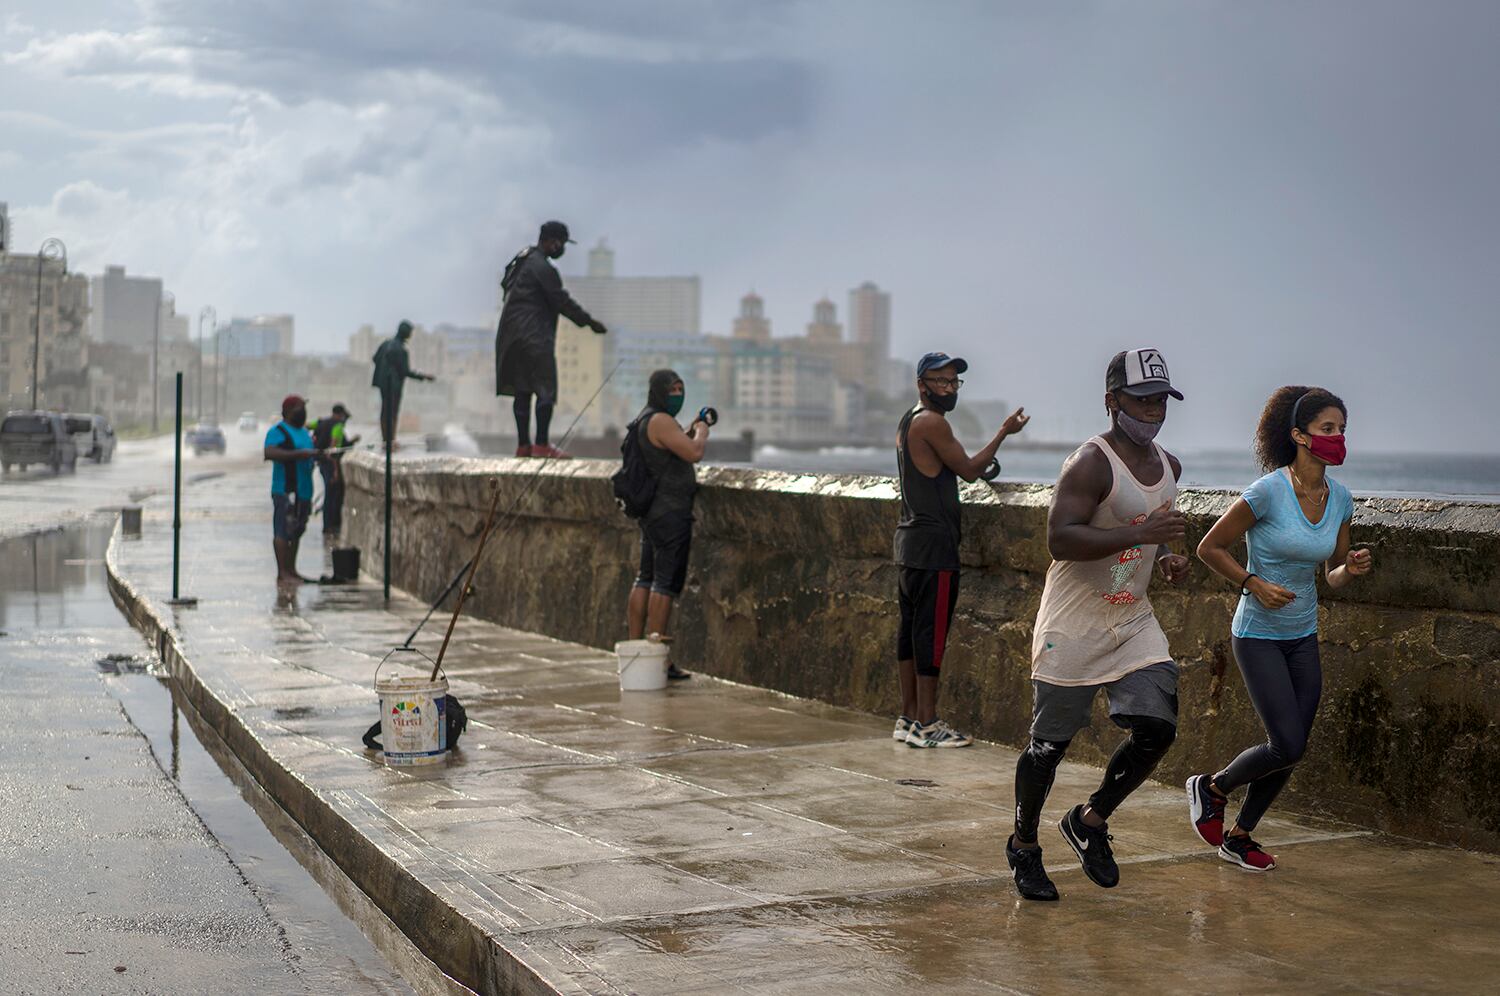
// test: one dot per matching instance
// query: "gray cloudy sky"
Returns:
(1269, 192)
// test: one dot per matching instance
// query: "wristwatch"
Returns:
(1245, 584)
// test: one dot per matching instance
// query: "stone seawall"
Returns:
(791, 587)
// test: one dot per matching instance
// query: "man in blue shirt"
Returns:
(289, 447)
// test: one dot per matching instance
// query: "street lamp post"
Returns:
(52, 249)
(203, 313)
(161, 299)
(236, 344)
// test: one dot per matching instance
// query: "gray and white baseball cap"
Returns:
(1139, 372)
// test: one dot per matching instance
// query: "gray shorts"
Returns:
(1060, 711)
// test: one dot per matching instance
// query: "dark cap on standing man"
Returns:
(292, 402)
(1140, 373)
(339, 409)
(554, 230)
(931, 361)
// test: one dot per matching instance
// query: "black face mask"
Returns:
(943, 402)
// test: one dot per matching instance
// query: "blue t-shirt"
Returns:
(301, 440)
(1287, 549)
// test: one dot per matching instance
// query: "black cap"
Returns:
(404, 328)
(1140, 373)
(553, 230)
(931, 361)
(339, 409)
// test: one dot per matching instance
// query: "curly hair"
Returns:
(1273, 436)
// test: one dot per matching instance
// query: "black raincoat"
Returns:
(526, 343)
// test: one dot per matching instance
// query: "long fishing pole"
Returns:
(509, 512)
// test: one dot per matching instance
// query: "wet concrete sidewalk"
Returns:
(715, 838)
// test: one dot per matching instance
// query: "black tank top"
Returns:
(676, 479)
(927, 535)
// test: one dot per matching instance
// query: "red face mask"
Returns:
(1329, 449)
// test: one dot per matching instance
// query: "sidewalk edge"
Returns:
(455, 944)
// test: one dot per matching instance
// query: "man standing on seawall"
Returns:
(929, 462)
(526, 343)
(1111, 519)
(392, 368)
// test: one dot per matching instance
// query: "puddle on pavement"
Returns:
(56, 582)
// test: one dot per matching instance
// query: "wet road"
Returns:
(133, 864)
(39, 499)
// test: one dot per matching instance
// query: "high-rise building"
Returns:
(126, 310)
(262, 335)
(56, 332)
(636, 304)
(870, 327)
(4, 228)
(825, 327)
(781, 393)
(752, 324)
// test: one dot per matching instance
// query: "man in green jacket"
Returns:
(392, 368)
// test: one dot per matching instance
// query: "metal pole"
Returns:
(155, 361)
(36, 347)
(391, 432)
(200, 366)
(177, 495)
(177, 597)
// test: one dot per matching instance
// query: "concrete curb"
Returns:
(464, 950)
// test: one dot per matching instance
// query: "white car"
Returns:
(248, 422)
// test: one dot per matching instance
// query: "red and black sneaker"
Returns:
(1206, 810)
(550, 452)
(1239, 849)
(523, 451)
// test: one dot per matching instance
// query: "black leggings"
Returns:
(1285, 681)
(522, 409)
(1131, 764)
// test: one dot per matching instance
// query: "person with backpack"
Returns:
(289, 447)
(526, 342)
(657, 485)
(328, 436)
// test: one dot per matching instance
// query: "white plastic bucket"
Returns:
(642, 665)
(413, 723)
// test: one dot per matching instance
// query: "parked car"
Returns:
(81, 428)
(248, 422)
(205, 437)
(104, 440)
(93, 435)
(36, 437)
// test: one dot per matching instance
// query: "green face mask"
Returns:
(674, 404)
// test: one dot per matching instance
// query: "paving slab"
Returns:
(718, 838)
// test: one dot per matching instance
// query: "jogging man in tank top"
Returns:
(930, 460)
(1112, 517)
(1293, 519)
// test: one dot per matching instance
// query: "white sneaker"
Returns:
(935, 734)
(903, 725)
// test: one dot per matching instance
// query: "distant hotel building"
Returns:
(263, 335)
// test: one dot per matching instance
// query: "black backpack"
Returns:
(634, 485)
(513, 270)
(323, 434)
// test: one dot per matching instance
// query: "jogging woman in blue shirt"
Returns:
(1292, 519)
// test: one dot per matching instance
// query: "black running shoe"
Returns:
(1031, 878)
(1092, 848)
(675, 673)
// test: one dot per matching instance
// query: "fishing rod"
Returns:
(509, 517)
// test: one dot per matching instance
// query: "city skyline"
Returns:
(1039, 187)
